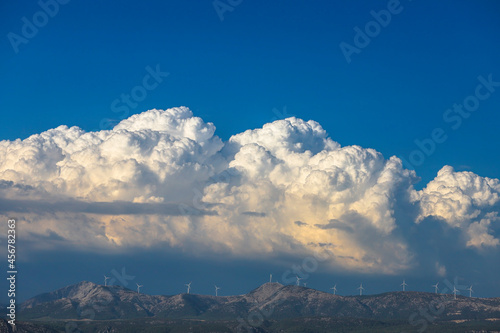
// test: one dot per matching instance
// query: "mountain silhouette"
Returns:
(87, 300)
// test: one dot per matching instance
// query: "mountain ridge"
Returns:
(271, 300)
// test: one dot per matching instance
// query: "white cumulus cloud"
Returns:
(150, 157)
(463, 200)
(163, 178)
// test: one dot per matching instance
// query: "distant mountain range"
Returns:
(269, 302)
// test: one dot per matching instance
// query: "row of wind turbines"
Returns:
(139, 286)
(403, 285)
(188, 286)
(334, 288)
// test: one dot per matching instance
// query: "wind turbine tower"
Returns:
(216, 290)
(106, 280)
(298, 280)
(404, 285)
(470, 291)
(361, 289)
(435, 287)
(334, 289)
(270, 278)
(139, 288)
(188, 285)
(455, 291)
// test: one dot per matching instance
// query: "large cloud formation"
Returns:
(463, 200)
(164, 178)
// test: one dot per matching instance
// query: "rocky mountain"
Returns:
(271, 301)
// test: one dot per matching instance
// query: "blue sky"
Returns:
(262, 56)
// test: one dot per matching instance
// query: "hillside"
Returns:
(87, 300)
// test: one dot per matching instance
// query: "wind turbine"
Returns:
(106, 280)
(404, 285)
(334, 289)
(455, 291)
(216, 290)
(188, 285)
(298, 280)
(139, 288)
(470, 291)
(435, 287)
(270, 278)
(361, 289)
(305, 284)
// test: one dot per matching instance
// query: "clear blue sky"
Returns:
(264, 55)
